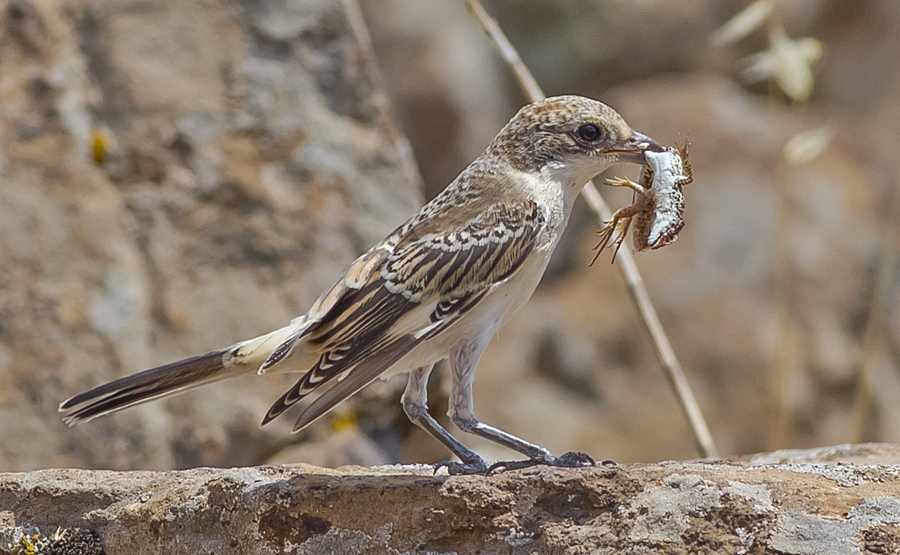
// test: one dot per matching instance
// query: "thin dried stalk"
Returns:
(872, 336)
(864, 401)
(797, 84)
(704, 442)
(784, 371)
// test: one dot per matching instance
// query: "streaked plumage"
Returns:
(437, 288)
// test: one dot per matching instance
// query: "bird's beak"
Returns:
(633, 149)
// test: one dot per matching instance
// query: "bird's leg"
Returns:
(463, 362)
(415, 405)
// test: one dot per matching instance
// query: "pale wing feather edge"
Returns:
(381, 299)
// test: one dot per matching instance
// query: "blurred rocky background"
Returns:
(781, 295)
(176, 176)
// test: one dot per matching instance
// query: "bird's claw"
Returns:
(572, 459)
(456, 468)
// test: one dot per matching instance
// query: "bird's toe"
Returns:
(457, 468)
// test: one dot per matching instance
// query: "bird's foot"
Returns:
(572, 459)
(457, 468)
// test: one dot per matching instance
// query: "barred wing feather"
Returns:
(410, 288)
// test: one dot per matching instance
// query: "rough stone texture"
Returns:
(841, 501)
(249, 156)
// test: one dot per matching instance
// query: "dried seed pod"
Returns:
(658, 205)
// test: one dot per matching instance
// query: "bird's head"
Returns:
(569, 138)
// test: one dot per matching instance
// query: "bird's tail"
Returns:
(171, 379)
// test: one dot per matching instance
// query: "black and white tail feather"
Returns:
(170, 379)
(398, 295)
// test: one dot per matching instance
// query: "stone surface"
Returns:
(248, 155)
(800, 504)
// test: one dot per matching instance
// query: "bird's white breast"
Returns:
(507, 297)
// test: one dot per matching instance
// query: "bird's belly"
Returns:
(483, 320)
(511, 295)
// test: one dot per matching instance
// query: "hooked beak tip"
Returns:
(634, 148)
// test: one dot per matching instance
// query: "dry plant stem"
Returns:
(864, 399)
(704, 442)
(781, 402)
(872, 338)
(787, 361)
(673, 371)
(782, 406)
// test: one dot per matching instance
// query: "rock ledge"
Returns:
(843, 500)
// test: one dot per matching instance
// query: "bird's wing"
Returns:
(408, 289)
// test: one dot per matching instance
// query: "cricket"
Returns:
(657, 210)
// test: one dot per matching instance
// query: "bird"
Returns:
(437, 288)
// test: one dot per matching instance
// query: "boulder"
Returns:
(841, 500)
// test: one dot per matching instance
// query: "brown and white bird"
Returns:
(436, 288)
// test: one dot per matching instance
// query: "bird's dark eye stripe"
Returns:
(589, 132)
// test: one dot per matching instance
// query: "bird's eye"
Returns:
(589, 132)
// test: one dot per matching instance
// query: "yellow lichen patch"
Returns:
(344, 421)
(101, 144)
